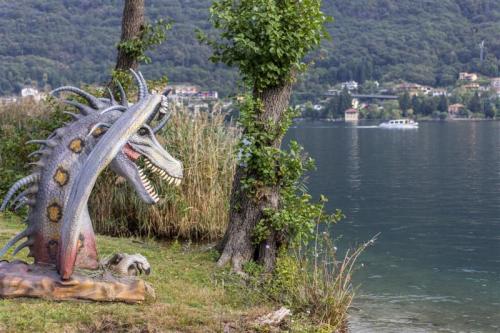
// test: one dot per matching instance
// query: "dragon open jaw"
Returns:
(134, 156)
(147, 185)
(162, 173)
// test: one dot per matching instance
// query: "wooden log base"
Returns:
(18, 279)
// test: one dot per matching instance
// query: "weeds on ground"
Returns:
(313, 278)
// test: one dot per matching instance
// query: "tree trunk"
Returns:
(132, 25)
(237, 246)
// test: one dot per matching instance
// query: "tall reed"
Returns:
(198, 208)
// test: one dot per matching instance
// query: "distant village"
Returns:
(181, 95)
(472, 97)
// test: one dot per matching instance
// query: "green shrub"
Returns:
(19, 123)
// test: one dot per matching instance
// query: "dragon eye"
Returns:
(142, 132)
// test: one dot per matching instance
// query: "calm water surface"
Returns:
(434, 195)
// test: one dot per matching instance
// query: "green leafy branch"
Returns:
(151, 35)
(266, 40)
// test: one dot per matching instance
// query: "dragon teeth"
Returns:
(177, 182)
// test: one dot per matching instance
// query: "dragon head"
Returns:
(143, 145)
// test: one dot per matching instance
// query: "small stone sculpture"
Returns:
(123, 264)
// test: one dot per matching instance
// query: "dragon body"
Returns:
(105, 132)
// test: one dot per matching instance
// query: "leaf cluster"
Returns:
(266, 39)
(151, 35)
(264, 163)
(267, 166)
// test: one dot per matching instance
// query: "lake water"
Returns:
(434, 195)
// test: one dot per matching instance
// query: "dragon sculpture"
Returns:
(104, 132)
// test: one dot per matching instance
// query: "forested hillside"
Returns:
(53, 42)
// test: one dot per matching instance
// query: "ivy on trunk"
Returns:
(267, 41)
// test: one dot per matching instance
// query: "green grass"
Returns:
(192, 295)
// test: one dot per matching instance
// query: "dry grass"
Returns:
(19, 113)
(198, 209)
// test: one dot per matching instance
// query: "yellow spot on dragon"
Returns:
(54, 213)
(76, 146)
(98, 132)
(61, 177)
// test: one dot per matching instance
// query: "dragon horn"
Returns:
(123, 95)
(13, 241)
(93, 101)
(162, 123)
(20, 183)
(142, 87)
(111, 97)
(144, 83)
(84, 109)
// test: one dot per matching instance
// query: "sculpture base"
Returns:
(18, 279)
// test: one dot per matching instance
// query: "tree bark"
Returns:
(237, 246)
(132, 25)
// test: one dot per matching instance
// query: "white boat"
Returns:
(400, 124)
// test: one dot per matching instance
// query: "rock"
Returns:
(274, 318)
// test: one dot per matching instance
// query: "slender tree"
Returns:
(267, 41)
(132, 26)
(443, 103)
(405, 102)
(489, 109)
(475, 103)
(345, 101)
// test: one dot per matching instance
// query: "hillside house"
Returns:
(351, 115)
(350, 85)
(413, 89)
(183, 89)
(455, 109)
(495, 84)
(208, 95)
(32, 93)
(471, 86)
(439, 92)
(464, 76)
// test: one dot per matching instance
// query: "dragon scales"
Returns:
(105, 132)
